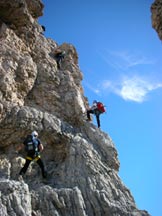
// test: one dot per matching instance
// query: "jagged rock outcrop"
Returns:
(81, 160)
(156, 10)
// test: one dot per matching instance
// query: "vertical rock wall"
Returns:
(156, 17)
(80, 159)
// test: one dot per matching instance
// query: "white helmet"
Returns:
(34, 133)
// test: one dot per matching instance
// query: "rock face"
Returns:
(156, 10)
(81, 160)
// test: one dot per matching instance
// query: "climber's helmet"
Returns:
(34, 134)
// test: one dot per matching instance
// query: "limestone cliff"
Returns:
(81, 160)
(156, 10)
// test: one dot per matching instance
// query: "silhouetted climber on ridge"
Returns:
(43, 29)
(33, 148)
(97, 108)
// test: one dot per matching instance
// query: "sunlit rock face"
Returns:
(80, 159)
(156, 17)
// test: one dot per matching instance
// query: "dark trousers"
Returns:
(59, 59)
(96, 114)
(25, 167)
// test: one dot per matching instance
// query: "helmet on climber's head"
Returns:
(34, 134)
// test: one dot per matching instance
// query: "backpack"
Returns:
(30, 145)
(101, 107)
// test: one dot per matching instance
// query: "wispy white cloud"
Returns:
(131, 87)
(134, 88)
(137, 89)
(93, 89)
(123, 60)
(131, 59)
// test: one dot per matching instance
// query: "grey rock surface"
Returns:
(156, 17)
(81, 160)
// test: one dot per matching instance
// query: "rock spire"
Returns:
(81, 160)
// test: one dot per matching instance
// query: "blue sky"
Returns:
(120, 58)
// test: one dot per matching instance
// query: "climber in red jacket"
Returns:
(97, 108)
